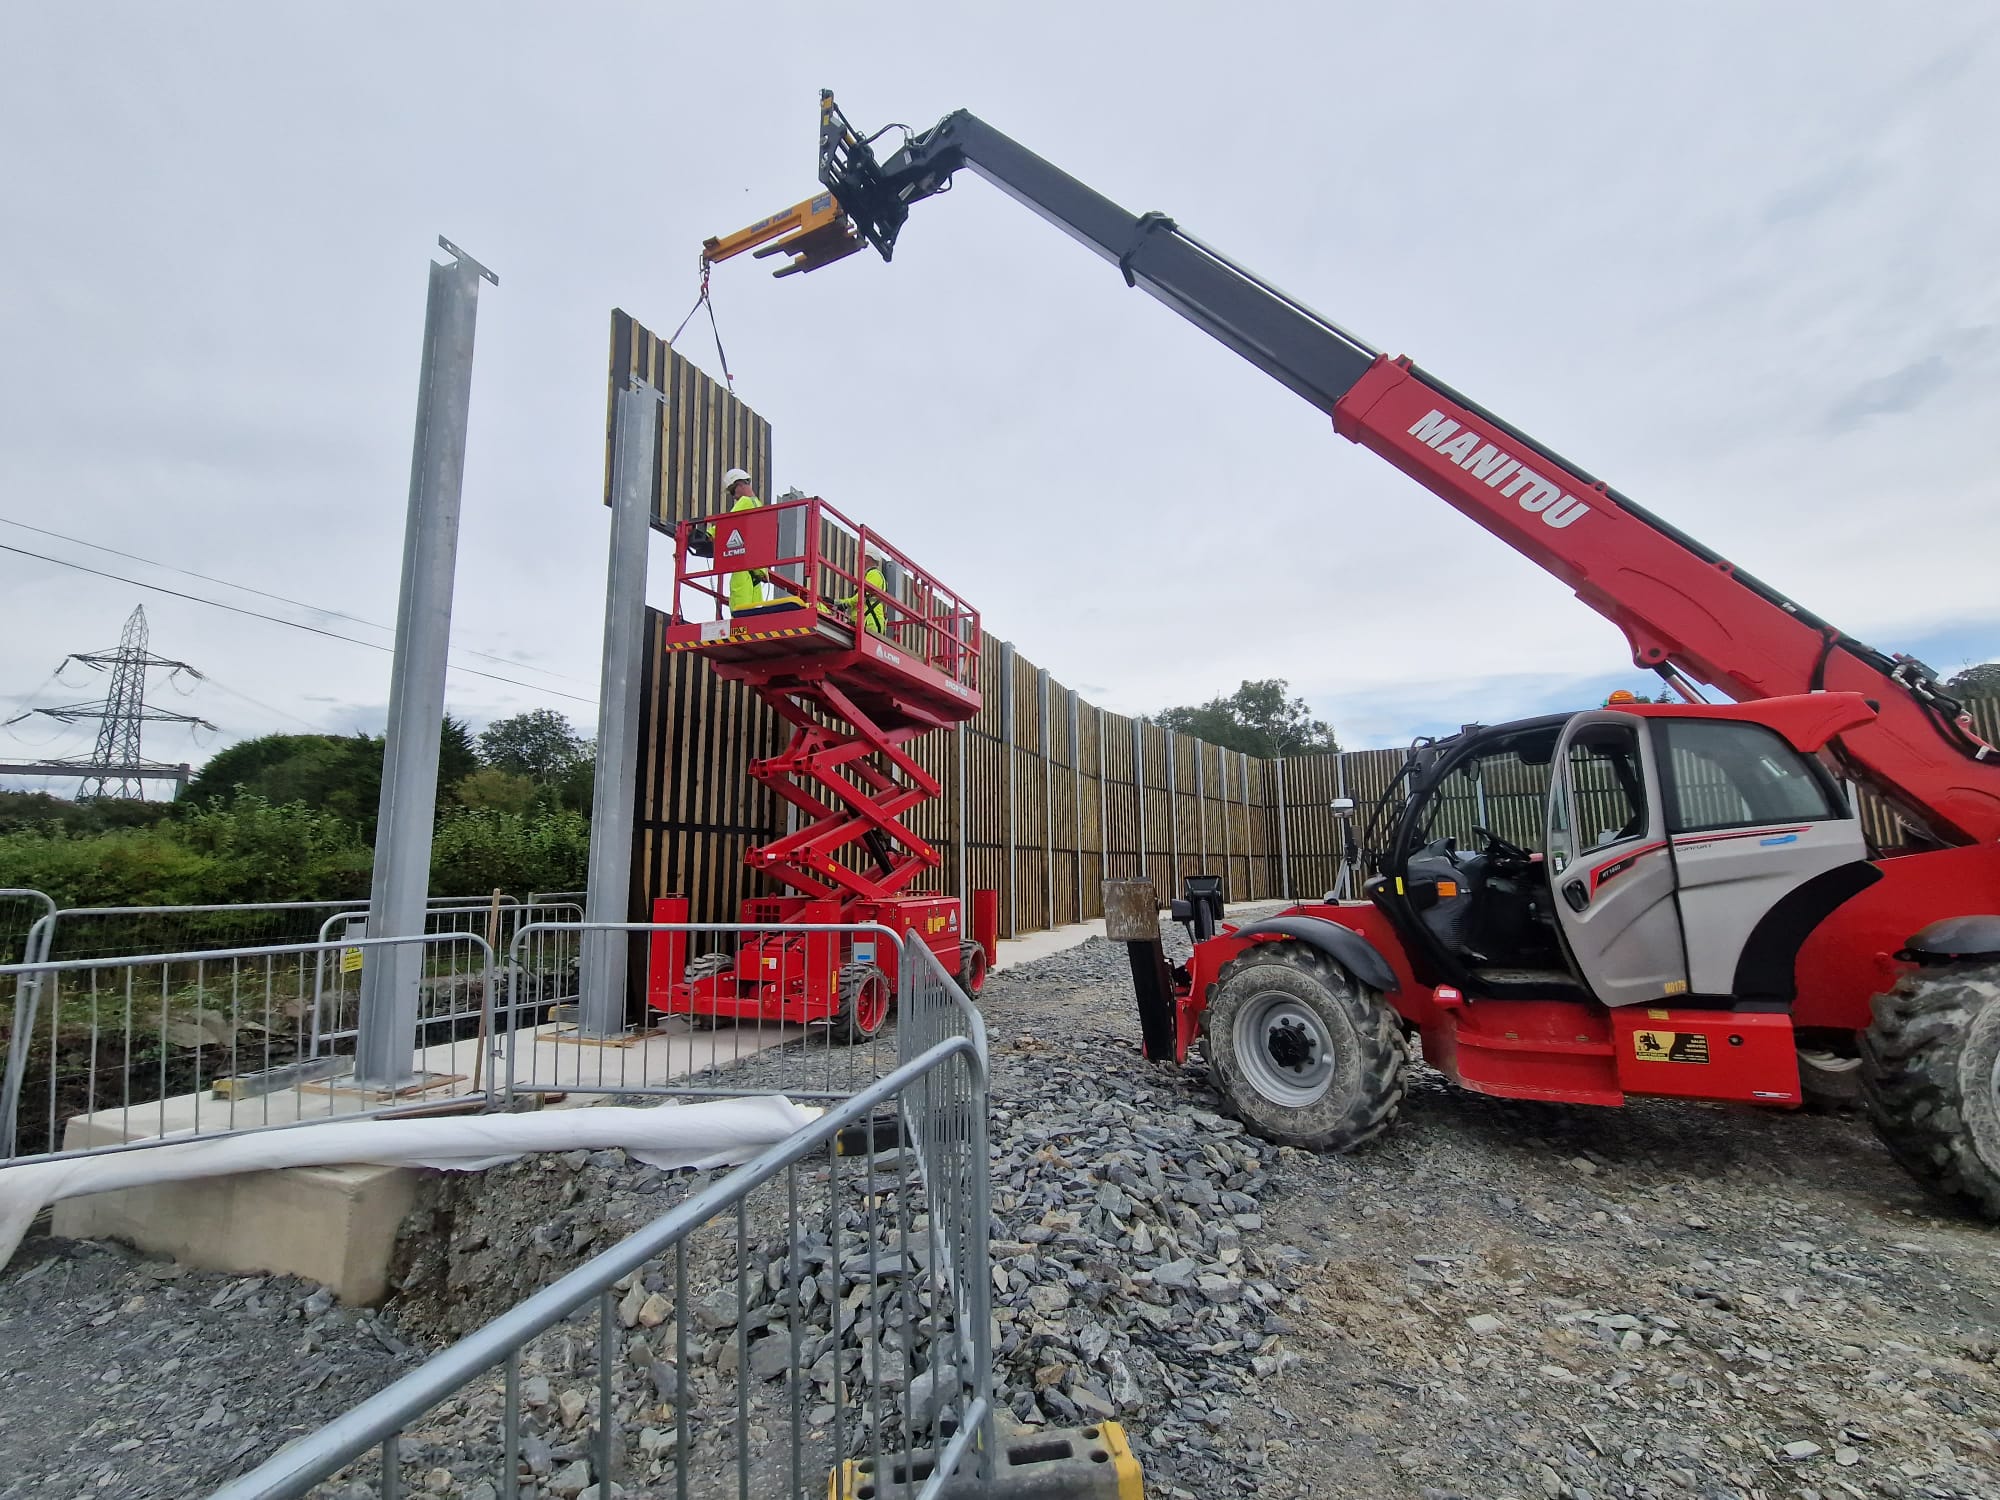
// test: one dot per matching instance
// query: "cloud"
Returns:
(1715, 293)
(1899, 391)
(1803, 200)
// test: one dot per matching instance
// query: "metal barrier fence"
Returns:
(225, 1032)
(109, 931)
(680, 1055)
(20, 910)
(544, 970)
(821, 1310)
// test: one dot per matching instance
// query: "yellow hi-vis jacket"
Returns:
(876, 619)
(745, 589)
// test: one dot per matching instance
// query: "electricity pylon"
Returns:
(116, 768)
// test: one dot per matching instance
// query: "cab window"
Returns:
(1608, 786)
(1725, 774)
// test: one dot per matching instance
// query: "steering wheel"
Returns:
(1499, 849)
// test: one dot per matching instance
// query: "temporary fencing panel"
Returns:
(828, 1301)
(110, 1051)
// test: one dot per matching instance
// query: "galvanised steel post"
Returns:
(1251, 891)
(386, 1047)
(1228, 838)
(1284, 855)
(1076, 802)
(607, 894)
(1201, 798)
(1013, 922)
(964, 862)
(1139, 790)
(1048, 797)
(1103, 804)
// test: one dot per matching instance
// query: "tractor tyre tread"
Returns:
(1343, 1119)
(1927, 1066)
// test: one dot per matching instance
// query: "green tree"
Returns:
(39, 811)
(1981, 681)
(1259, 719)
(235, 849)
(572, 790)
(500, 791)
(338, 774)
(539, 745)
(458, 756)
(476, 849)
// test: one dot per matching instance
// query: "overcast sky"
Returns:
(1738, 260)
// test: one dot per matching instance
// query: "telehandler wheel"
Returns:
(1305, 1056)
(865, 998)
(1928, 1067)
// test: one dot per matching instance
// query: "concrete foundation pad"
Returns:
(332, 1225)
(337, 1225)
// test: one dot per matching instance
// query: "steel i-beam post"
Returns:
(386, 1046)
(608, 891)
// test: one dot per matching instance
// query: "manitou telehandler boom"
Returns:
(1682, 894)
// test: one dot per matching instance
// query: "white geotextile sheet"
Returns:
(715, 1133)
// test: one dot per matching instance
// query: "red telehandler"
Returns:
(1652, 899)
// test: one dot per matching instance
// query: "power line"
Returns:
(269, 708)
(235, 609)
(265, 594)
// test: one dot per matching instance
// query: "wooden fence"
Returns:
(1045, 796)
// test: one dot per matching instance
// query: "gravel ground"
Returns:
(125, 1376)
(1498, 1300)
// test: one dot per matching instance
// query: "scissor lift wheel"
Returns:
(865, 999)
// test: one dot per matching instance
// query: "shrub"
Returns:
(476, 849)
(497, 791)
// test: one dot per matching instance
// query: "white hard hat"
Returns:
(733, 477)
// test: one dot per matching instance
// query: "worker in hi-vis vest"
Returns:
(746, 589)
(875, 617)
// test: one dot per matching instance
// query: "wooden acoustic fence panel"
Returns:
(704, 431)
(1121, 799)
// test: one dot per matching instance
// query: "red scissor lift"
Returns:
(856, 696)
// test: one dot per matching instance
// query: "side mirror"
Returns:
(1342, 806)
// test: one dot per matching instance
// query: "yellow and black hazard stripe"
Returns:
(737, 638)
(1079, 1463)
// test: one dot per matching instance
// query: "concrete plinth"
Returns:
(332, 1225)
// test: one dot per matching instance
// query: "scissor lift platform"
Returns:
(861, 651)
(813, 641)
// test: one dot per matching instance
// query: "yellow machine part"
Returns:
(1081, 1463)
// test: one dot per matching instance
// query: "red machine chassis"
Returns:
(1560, 1048)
